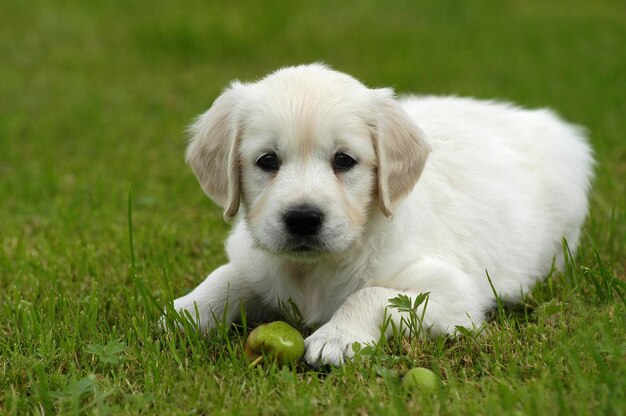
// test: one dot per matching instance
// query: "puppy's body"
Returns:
(500, 189)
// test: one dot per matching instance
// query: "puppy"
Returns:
(345, 197)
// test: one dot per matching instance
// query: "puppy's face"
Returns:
(308, 169)
(309, 153)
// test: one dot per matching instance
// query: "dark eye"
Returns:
(343, 162)
(268, 162)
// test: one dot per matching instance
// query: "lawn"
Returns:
(95, 97)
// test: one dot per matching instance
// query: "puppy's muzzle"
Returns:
(303, 220)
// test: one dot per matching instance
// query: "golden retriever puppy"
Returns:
(346, 196)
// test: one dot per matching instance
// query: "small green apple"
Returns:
(277, 340)
(421, 379)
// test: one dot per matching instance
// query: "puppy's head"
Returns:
(307, 153)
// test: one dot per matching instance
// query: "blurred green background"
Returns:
(96, 95)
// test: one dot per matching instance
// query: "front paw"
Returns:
(186, 310)
(332, 345)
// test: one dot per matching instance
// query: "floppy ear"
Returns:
(401, 149)
(212, 151)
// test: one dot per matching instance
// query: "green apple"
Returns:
(421, 379)
(277, 340)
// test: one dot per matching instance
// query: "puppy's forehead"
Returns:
(308, 108)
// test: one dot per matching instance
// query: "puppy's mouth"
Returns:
(304, 248)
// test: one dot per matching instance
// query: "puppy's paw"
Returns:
(162, 325)
(331, 345)
(168, 322)
(186, 310)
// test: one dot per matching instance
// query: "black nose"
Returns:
(304, 220)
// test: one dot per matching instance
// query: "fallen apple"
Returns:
(277, 340)
(421, 379)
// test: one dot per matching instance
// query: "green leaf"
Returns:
(401, 302)
(111, 353)
(463, 331)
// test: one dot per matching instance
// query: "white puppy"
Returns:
(348, 196)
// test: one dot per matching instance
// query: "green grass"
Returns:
(96, 95)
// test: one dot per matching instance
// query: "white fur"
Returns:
(500, 187)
